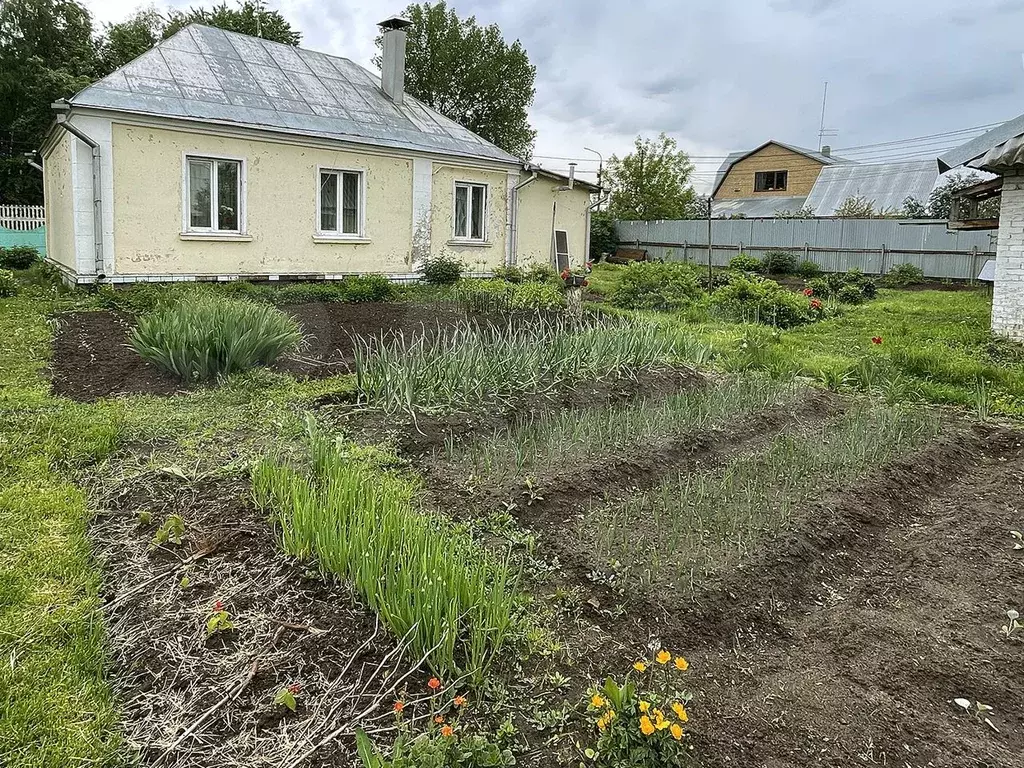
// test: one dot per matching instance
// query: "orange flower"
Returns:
(663, 657)
(646, 726)
(682, 664)
(447, 731)
(460, 701)
(433, 684)
(439, 719)
(677, 732)
(399, 705)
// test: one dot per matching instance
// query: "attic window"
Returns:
(770, 181)
(213, 195)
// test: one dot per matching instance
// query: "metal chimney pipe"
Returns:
(826, 151)
(572, 174)
(392, 65)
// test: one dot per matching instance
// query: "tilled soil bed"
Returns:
(92, 357)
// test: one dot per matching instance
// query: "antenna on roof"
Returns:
(822, 130)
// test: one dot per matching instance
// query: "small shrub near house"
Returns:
(352, 289)
(442, 270)
(851, 287)
(204, 336)
(778, 263)
(498, 296)
(745, 263)
(808, 269)
(18, 257)
(756, 300)
(510, 274)
(902, 275)
(657, 286)
(603, 239)
(541, 273)
(8, 284)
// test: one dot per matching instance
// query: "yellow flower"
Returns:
(682, 664)
(677, 732)
(663, 657)
(680, 711)
(646, 726)
(644, 706)
(610, 714)
(662, 724)
(596, 700)
(640, 667)
(658, 715)
(601, 723)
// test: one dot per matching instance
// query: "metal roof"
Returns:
(979, 148)
(887, 185)
(755, 207)
(735, 157)
(212, 75)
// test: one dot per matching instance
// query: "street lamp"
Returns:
(600, 168)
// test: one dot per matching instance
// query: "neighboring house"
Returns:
(999, 151)
(777, 177)
(216, 155)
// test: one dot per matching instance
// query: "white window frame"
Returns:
(456, 237)
(328, 234)
(186, 203)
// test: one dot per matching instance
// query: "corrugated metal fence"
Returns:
(836, 245)
(23, 225)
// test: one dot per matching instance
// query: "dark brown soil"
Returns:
(92, 358)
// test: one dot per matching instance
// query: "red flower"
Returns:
(460, 701)
(876, 339)
(588, 265)
(565, 274)
(808, 291)
(218, 606)
(815, 304)
(294, 689)
(433, 684)
(399, 705)
(586, 283)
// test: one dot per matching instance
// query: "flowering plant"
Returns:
(643, 721)
(576, 276)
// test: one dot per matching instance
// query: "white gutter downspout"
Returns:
(97, 197)
(514, 250)
(590, 208)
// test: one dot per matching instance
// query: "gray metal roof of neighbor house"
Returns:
(995, 150)
(734, 157)
(887, 185)
(755, 207)
(211, 75)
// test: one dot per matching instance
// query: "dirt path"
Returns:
(863, 667)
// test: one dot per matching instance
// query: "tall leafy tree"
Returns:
(46, 53)
(940, 202)
(129, 39)
(251, 17)
(652, 182)
(470, 74)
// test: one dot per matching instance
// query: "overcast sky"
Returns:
(729, 74)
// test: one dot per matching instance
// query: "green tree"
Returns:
(470, 74)
(603, 238)
(46, 53)
(856, 207)
(651, 182)
(940, 202)
(249, 18)
(129, 39)
(914, 208)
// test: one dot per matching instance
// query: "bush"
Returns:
(135, 299)
(351, 289)
(835, 285)
(658, 286)
(491, 296)
(8, 284)
(542, 296)
(18, 257)
(760, 301)
(201, 337)
(745, 263)
(902, 275)
(808, 269)
(849, 294)
(510, 274)
(603, 238)
(442, 270)
(538, 272)
(778, 263)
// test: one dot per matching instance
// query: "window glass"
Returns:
(200, 189)
(461, 211)
(328, 202)
(478, 210)
(227, 195)
(350, 206)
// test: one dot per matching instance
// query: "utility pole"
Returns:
(600, 167)
(711, 276)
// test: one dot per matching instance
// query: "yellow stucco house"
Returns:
(216, 155)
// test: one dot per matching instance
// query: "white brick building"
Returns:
(1001, 151)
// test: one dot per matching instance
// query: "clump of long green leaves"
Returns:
(475, 363)
(692, 523)
(201, 337)
(427, 580)
(561, 437)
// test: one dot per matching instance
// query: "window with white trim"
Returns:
(213, 193)
(470, 211)
(340, 203)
